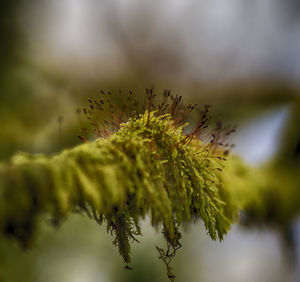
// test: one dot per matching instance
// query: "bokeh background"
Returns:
(240, 56)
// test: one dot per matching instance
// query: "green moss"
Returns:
(268, 195)
(147, 165)
(141, 169)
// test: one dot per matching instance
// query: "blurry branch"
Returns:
(289, 154)
(253, 97)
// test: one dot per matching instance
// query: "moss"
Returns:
(140, 165)
(143, 168)
(268, 195)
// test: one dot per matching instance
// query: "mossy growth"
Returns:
(139, 164)
(268, 195)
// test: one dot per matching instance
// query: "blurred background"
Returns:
(240, 56)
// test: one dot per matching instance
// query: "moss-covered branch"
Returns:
(146, 167)
(150, 166)
(268, 196)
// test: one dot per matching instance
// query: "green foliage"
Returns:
(142, 165)
(143, 168)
